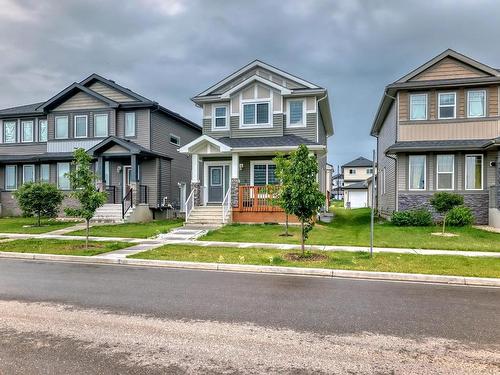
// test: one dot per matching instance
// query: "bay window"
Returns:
(62, 178)
(61, 124)
(473, 172)
(10, 131)
(418, 107)
(447, 105)
(101, 125)
(445, 172)
(10, 177)
(476, 103)
(296, 113)
(417, 171)
(42, 131)
(27, 131)
(256, 114)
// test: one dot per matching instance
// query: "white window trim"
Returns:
(214, 109)
(352, 171)
(452, 172)
(32, 131)
(447, 105)
(259, 162)
(24, 172)
(15, 131)
(57, 176)
(86, 126)
(96, 115)
(303, 124)
(269, 123)
(482, 171)
(468, 104)
(425, 173)
(40, 174)
(125, 124)
(46, 130)
(15, 178)
(426, 107)
(55, 127)
(178, 144)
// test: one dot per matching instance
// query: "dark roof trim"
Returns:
(97, 77)
(451, 145)
(445, 83)
(35, 158)
(72, 88)
(132, 147)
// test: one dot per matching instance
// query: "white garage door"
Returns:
(358, 198)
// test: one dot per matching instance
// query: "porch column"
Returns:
(195, 179)
(134, 180)
(235, 179)
(101, 183)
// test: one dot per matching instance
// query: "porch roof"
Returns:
(129, 147)
(48, 156)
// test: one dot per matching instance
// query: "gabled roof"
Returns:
(96, 77)
(69, 91)
(131, 147)
(359, 162)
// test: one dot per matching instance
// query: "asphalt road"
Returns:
(120, 319)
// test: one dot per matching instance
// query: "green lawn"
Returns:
(352, 227)
(27, 225)
(132, 230)
(406, 263)
(60, 247)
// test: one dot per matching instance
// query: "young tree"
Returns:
(443, 202)
(303, 195)
(39, 199)
(82, 180)
(284, 191)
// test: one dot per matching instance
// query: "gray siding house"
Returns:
(248, 117)
(133, 140)
(438, 129)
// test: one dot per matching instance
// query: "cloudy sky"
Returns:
(170, 50)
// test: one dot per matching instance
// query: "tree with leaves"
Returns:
(443, 202)
(283, 193)
(303, 195)
(82, 179)
(39, 199)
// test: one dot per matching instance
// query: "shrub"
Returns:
(443, 202)
(460, 216)
(39, 199)
(418, 218)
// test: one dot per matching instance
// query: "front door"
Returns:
(215, 184)
(127, 169)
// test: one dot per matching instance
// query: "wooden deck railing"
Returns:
(258, 199)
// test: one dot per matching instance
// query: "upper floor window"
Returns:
(175, 140)
(352, 171)
(473, 172)
(296, 113)
(27, 131)
(417, 172)
(445, 172)
(10, 177)
(476, 103)
(101, 125)
(28, 173)
(256, 113)
(418, 107)
(61, 124)
(10, 131)
(369, 170)
(44, 172)
(447, 102)
(42, 131)
(81, 126)
(130, 124)
(220, 118)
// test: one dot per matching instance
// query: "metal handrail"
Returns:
(226, 206)
(111, 190)
(189, 204)
(127, 198)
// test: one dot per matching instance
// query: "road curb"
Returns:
(322, 272)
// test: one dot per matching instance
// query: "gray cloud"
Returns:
(169, 50)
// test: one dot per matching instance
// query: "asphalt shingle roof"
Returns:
(444, 145)
(21, 110)
(286, 140)
(359, 162)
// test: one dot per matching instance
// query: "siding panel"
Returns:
(81, 100)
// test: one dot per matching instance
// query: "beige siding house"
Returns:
(438, 129)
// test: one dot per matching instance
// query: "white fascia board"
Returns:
(204, 138)
(283, 90)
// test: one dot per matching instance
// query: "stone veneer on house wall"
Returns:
(9, 206)
(235, 184)
(478, 203)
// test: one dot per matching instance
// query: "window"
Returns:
(417, 172)
(107, 175)
(61, 127)
(369, 170)
(62, 178)
(44, 173)
(27, 131)
(352, 171)
(473, 172)
(418, 107)
(10, 177)
(220, 118)
(28, 173)
(42, 131)
(296, 113)
(175, 140)
(101, 125)
(256, 114)
(476, 103)
(263, 173)
(447, 105)
(81, 126)
(130, 124)
(445, 172)
(10, 132)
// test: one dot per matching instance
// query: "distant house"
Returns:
(338, 186)
(356, 174)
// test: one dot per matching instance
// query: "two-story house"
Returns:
(134, 141)
(248, 117)
(438, 129)
(356, 174)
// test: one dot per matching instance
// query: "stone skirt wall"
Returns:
(477, 202)
(9, 207)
